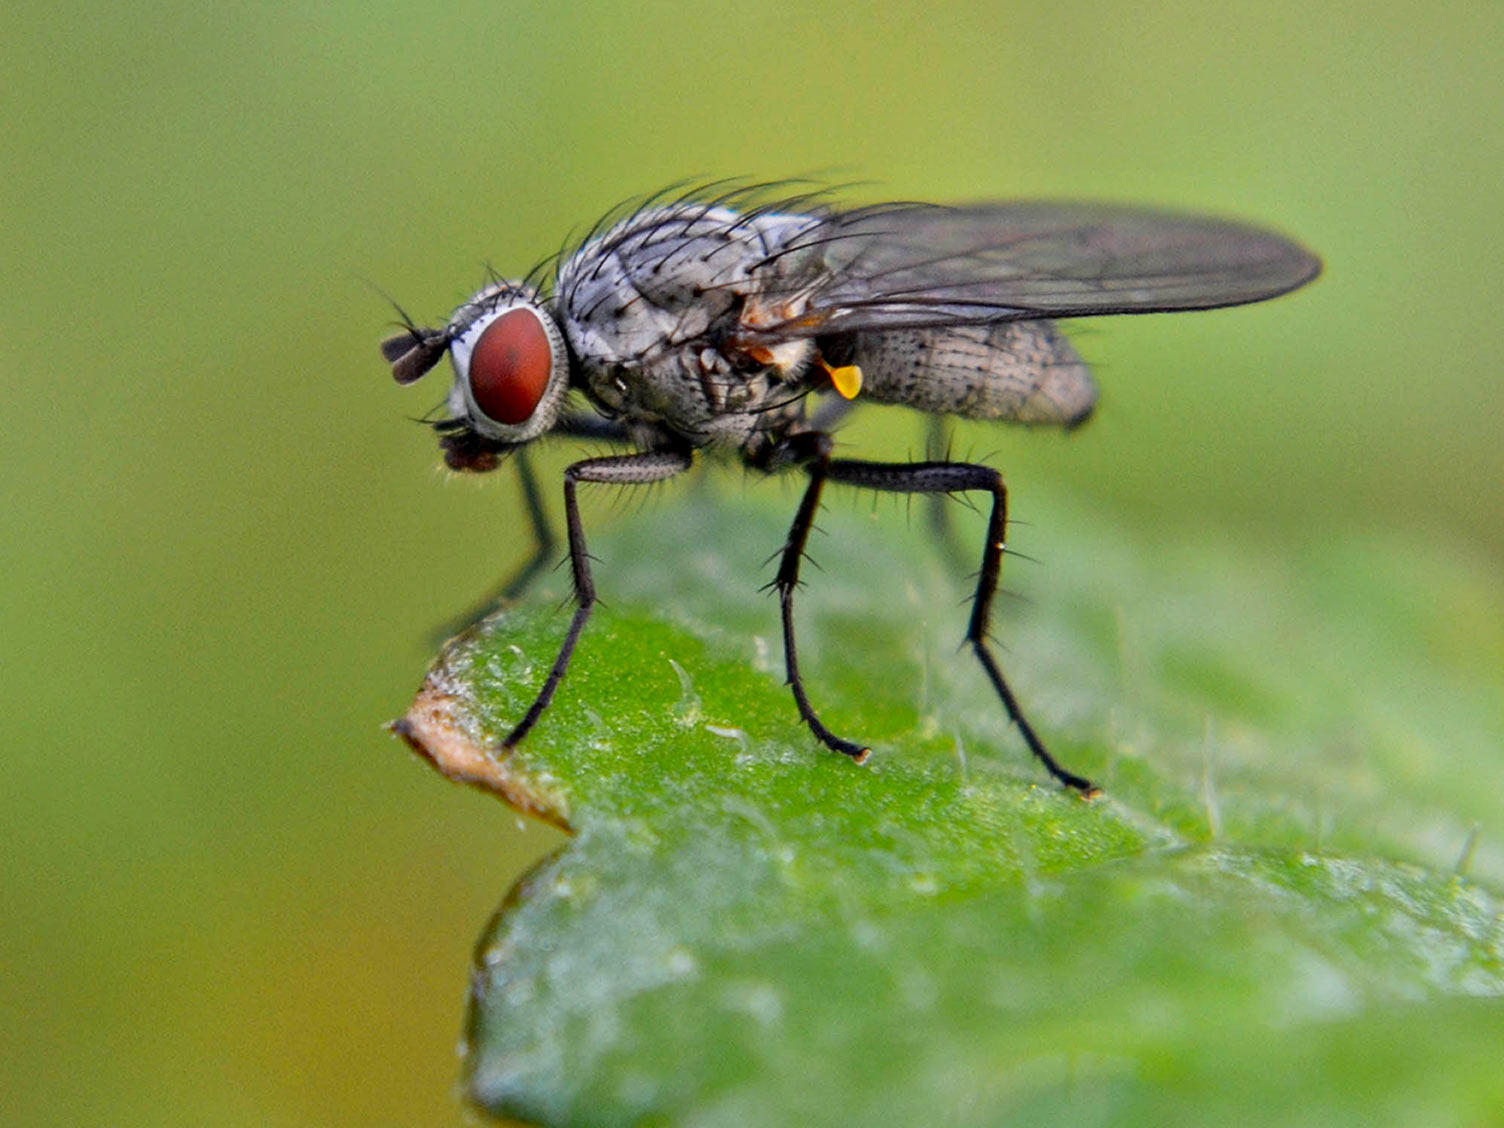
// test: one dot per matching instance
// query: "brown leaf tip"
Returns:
(436, 728)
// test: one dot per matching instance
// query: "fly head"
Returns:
(511, 372)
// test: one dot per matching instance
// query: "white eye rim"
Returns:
(462, 345)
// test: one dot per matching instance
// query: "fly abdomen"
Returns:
(1021, 371)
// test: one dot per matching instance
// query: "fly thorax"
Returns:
(650, 305)
(665, 277)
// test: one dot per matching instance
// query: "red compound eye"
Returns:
(510, 366)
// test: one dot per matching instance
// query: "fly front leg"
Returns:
(544, 539)
(912, 478)
(544, 542)
(623, 470)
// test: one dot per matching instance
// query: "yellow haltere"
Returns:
(847, 380)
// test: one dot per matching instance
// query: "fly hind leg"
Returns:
(911, 478)
(937, 514)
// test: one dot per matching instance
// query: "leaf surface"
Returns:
(1259, 922)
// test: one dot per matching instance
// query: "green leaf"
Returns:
(1261, 921)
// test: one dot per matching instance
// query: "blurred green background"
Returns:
(228, 896)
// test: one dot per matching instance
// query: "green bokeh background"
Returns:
(227, 896)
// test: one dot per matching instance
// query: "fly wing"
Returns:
(921, 265)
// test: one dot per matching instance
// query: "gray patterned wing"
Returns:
(918, 265)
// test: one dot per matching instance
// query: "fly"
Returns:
(703, 323)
